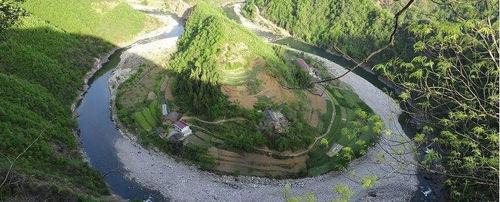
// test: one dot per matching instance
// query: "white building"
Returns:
(182, 127)
(164, 110)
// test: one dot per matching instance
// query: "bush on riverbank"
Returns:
(355, 127)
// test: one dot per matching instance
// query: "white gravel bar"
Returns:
(180, 182)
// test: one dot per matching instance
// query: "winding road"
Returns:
(300, 153)
(155, 172)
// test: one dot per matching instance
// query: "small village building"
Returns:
(164, 110)
(335, 149)
(182, 127)
(275, 122)
(303, 64)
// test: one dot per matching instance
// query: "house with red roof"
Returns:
(182, 127)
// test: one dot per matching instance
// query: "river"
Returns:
(99, 133)
(133, 172)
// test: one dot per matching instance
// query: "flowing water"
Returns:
(98, 132)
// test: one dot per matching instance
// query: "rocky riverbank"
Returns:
(178, 181)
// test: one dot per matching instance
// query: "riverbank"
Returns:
(179, 181)
(97, 129)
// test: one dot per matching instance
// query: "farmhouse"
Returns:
(302, 63)
(275, 121)
(182, 127)
(334, 149)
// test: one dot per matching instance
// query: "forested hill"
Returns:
(44, 55)
(356, 27)
(446, 58)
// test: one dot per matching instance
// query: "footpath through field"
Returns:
(181, 182)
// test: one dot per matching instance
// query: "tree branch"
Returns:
(389, 44)
(12, 163)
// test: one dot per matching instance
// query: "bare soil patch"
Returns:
(316, 107)
(269, 88)
(272, 89)
(313, 118)
(240, 95)
(166, 87)
(256, 164)
(317, 102)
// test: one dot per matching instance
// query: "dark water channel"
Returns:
(98, 132)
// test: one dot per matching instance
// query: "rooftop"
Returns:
(180, 124)
(303, 64)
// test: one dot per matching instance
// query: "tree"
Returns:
(324, 142)
(452, 93)
(10, 13)
(344, 191)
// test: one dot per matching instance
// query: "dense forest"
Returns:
(452, 94)
(446, 58)
(355, 27)
(43, 58)
(201, 74)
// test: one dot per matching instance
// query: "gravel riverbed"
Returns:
(181, 182)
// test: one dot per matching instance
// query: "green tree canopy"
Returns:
(10, 13)
(452, 93)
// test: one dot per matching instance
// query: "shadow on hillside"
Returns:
(41, 72)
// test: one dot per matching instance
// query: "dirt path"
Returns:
(288, 154)
(238, 119)
(181, 182)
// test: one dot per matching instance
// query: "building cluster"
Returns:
(181, 128)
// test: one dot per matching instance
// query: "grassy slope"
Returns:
(112, 21)
(207, 22)
(42, 61)
(356, 27)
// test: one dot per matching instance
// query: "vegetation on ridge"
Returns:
(43, 58)
(445, 57)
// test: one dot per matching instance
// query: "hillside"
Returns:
(224, 81)
(233, 74)
(43, 59)
(440, 49)
(355, 27)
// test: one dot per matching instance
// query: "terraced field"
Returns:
(234, 76)
(148, 117)
(322, 158)
(257, 164)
